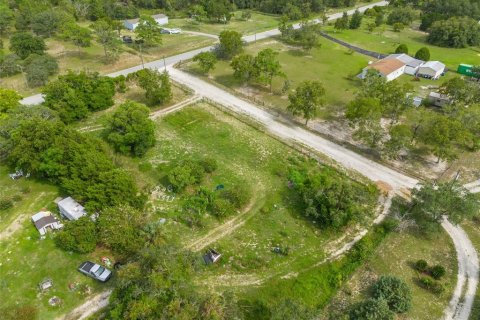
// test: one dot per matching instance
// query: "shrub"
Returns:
(222, 208)
(421, 265)
(395, 291)
(79, 236)
(6, 203)
(397, 27)
(186, 174)
(423, 54)
(372, 309)
(17, 198)
(9, 65)
(402, 49)
(237, 196)
(38, 68)
(434, 286)
(209, 165)
(437, 272)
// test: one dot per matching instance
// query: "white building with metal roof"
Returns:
(71, 209)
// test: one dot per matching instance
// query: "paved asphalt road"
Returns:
(158, 64)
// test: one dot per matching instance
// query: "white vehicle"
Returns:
(95, 271)
(171, 30)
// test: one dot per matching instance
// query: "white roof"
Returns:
(72, 207)
(405, 58)
(40, 215)
(434, 65)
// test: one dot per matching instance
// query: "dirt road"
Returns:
(461, 303)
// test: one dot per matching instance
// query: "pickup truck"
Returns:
(95, 271)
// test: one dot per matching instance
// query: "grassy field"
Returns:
(91, 58)
(330, 64)
(26, 259)
(385, 40)
(395, 257)
(257, 23)
(257, 163)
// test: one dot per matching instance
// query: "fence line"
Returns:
(369, 53)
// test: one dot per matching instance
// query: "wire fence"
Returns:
(369, 53)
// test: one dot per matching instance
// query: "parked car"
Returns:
(95, 271)
(171, 31)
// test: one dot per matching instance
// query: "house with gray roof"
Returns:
(132, 24)
(71, 209)
(411, 64)
(44, 221)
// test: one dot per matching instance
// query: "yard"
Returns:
(70, 57)
(395, 256)
(26, 260)
(258, 22)
(385, 40)
(330, 64)
(257, 164)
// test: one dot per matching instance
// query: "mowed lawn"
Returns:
(258, 22)
(385, 40)
(69, 57)
(395, 257)
(331, 64)
(26, 260)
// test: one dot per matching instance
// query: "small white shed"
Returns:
(45, 220)
(132, 24)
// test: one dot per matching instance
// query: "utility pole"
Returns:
(164, 64)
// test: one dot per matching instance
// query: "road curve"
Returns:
(162, 63)
(461, 302)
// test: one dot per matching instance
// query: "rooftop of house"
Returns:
(435, 65)
(405, 58)
(155, 16)
(43, 218)
(387, 66)
(72, 207)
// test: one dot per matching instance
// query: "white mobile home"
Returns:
(71, 209)
(132, 24)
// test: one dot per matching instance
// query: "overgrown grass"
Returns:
(395, 256)
(92, 58)
(258, 22)
(385, 40)
(26, 260)
(330, 64)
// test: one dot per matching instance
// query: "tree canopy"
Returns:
(307, 99)
(129, 130)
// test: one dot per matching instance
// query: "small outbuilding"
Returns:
(71, 209)
(211, 256)
(438, 99)
(45, 220)
(132, 24)
(431, 70)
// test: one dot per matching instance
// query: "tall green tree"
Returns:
(46, 23)
(129, 130)
(24, 44)
(423, 54)
(122, 229)
(206, 61)
(431, 202)
(307, 99)
(355, 20)
(244, 68)
(230, 45)
(9, 99)
(268, 66)
(6, 18)
(157, 86)
(108, 39)
(218, 10)
(149, 31)
(342, 23)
